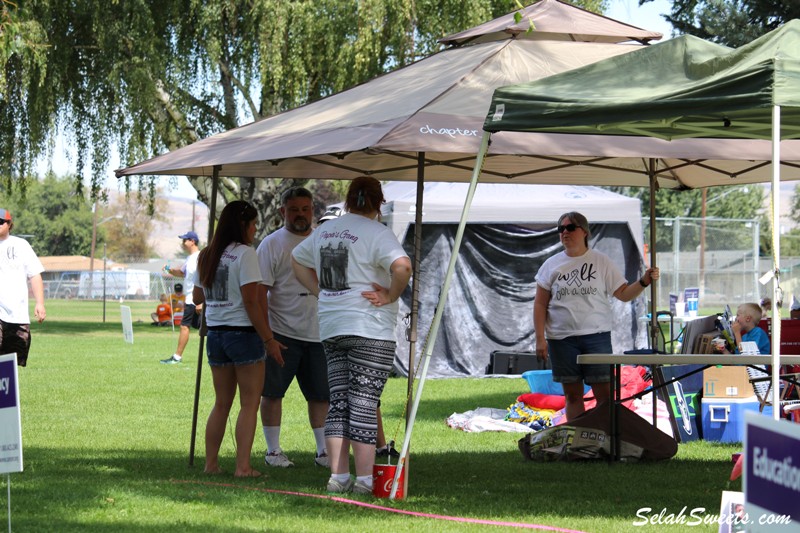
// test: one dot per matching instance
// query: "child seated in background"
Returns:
(163, 314)
(178, 300)
(745, 329)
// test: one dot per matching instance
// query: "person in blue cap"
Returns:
(191, 316)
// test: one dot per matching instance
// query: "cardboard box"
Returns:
(703, 343)
(727, 382)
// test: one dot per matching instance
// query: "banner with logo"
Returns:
(10, 423)
(683, 399)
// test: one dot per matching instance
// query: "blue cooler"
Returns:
(723, 418)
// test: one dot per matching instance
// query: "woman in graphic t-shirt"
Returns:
(358, 270)
(228, 281)
(572, 311)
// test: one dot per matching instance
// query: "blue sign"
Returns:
(772, 473)
(10, 424)
(8, 385)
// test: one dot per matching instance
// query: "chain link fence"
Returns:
(718, 256)
(128, 284)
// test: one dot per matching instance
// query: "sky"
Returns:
(647, 17)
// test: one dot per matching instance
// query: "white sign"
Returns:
(10, 424)
(771, 478)
(127, 323)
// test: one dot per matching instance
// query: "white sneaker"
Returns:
(361, 488)
(338, 486)
(322, 459)
(277, 458)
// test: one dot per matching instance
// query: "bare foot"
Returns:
(213, 471)
(250, 473)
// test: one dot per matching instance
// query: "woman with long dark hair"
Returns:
(358, 270)
(228, 280)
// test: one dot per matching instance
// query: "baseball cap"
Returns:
(5, 214)
(190, 235)
(178, 287)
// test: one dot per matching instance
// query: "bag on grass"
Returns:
(587, 437)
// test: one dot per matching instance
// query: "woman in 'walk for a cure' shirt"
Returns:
(572, 311)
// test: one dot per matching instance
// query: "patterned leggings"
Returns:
(357, 371)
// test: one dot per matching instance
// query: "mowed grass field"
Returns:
(106, 437)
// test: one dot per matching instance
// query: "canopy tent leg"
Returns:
(437, 317)
(776, 258)
(653, 289)
(417, 261)
(211, 218)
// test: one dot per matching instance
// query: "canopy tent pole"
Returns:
(417, 261)
(437, 317)
(211, 218)
(651, 170)
(776, 257)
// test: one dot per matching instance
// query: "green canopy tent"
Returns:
(684, 88)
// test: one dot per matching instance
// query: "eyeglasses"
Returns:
(4, 221)
(569, 227)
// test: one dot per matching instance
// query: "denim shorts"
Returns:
(304, 360)
(227, 348)
(564, 358)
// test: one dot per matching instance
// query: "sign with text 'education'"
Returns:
(10, 425)
(771, 474)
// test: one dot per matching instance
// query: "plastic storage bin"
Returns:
(541, 381)
(723, 418)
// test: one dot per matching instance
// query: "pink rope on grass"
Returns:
(381, 507)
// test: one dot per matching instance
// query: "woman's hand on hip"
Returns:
(377, 297)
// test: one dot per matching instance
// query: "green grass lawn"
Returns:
(106, 433)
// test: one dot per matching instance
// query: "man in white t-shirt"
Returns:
(292, 314)
(18, 266)
(191, 313)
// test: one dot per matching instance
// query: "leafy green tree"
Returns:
(738, 201)
(729, 22)
(57, 219)
(152, 75)
(743, 202)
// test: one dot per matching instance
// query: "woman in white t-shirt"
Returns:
(228, 281)
(572, 311)
(358, 269)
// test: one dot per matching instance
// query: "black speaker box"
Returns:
(514, 362)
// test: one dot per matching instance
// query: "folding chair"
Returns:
(762, 386)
